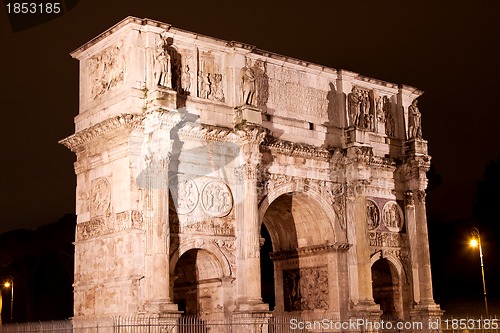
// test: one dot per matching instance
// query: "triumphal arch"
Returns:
(216, 178)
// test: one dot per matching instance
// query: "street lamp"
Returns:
(476, 242)
(10, 284)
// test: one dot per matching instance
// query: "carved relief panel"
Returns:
(372, 215)
(305, 288)
(387, 239)
(216, 198)
(204, 211)
(393, 216)
(210, 79)
(359, 107)
(185, 194)
(100, 197)
(106, 70)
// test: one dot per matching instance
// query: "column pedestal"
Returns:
(429, 314)
(251, 322)
(247, 114)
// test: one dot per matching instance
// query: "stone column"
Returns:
(419, 247)
(158, 298)
(247, 230)
(158, 149)
(358, 256)
(417, 164)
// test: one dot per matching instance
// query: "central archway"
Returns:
(302, 236)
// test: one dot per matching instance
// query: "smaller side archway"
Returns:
(388, 285)
(197, 283)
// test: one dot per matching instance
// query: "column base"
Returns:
(251, 322)
(163, 97)
(356, 136)
(366, 309)
(415, 147)
(252, 305)
(429, 314)
(160, 307)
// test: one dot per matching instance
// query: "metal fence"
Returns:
(263, 324)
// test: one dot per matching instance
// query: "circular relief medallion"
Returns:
(372, 215)
(216, 198)
(184, 193)
(100, 197)
(393, 216)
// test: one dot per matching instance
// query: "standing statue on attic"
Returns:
(248, 84)
(415, 121)
(163, 68)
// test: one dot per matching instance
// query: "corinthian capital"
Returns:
(415, 196)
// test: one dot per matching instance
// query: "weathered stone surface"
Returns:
(188, 147)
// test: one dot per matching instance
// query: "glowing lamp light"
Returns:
(473, 243)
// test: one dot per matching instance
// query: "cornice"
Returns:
(310, 250)
(278, 146)
(207, 133)
(83, 137)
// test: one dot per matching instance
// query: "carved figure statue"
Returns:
(248, 85)
(372, 215)
(379, 105)
(218, 92)
(163, 69)
(415, 121)
(201, 85)
(186, 80)
(386, 107)
(392, 217)
(371, 122)
(208, 87)
(176, 69)
(389, 125)
(354, 106)
(389, 120)
(365, 110)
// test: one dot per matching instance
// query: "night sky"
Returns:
(448, 49)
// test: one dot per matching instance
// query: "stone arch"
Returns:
(392, 259)
(198, 283)
(198, 244)
(388, 280)
(327, 208)
(304, 234)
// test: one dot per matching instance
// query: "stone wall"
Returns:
(186, 145)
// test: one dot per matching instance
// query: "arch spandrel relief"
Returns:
(393, 216)
(372, 215)
(216, 198)
(184, 192)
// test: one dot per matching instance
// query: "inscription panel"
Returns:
(288, 92)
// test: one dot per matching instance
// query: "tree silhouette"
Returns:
(488, 194)
(41, 264)
(487, 219)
